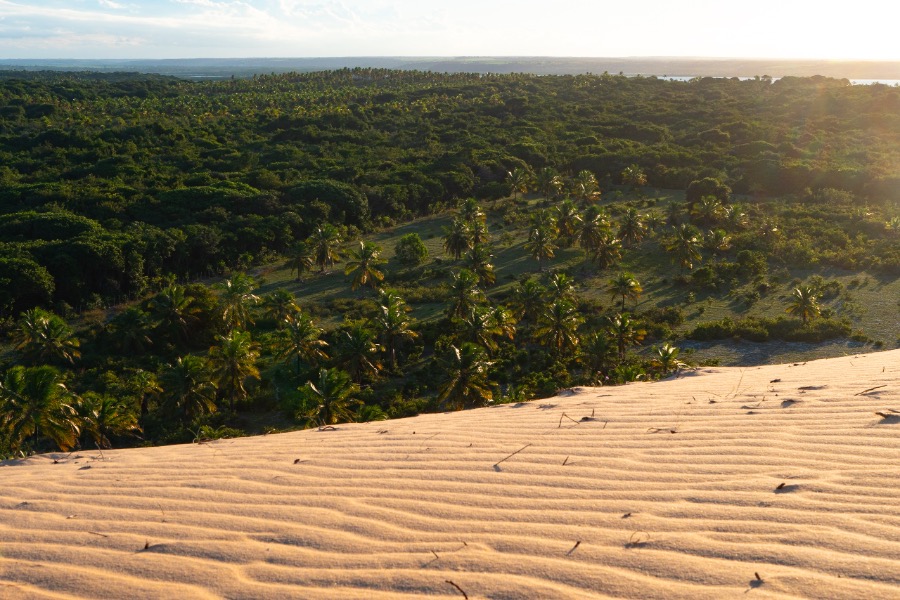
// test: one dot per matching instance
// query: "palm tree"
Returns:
(594, 224)
(393, 324)
(187, 387)
(34, 402)
(708, 211)
(279, 306)
(44, 337)
(608, 250)
(357, 352)
(300, 340)
(233, 361)
(477, 328)
(561, 287)
(104, 416)
(331, 397)
(805, 304)
(325, 245)
(558, 328)
(174, 313)
(130, 331)
(529, 299)
(465, 382)
(717, 242)
(471, 212)
(300, 259)
(568, 223)
(634, 176)
(598, 351)
(364, 263)
(684, 245)
(235, 300)
(502, 323)
(625, 331)
(667, 358)
(479, 262)
(632, 229)
(549, 183)
(457, 238)
(626, 286)
(464, 293)
(586, 186)
(518, 180)
(540, 245)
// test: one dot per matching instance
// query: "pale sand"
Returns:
(669, 492)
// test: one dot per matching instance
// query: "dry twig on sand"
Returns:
(871, 389)
(465, 595)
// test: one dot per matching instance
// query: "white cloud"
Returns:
(111, 4)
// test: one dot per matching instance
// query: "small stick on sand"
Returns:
(565, 416)
(578, 543)
(465, 595)
(877, 387)
(567, 460)
(780, 486)
(496, 464)
(100, 534)
(758, 578)
(436, 557)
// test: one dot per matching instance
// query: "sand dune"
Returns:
(768, 482)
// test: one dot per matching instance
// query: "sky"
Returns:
(122, 29)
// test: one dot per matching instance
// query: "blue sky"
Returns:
(862, 29)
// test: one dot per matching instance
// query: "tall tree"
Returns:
(684, 246)
(457, 238)
(300, 259)
(175, 314)
(301, 341)
(586, 187)
(549, 183)
(357, 352)
(529, 299)
(187, 387)
(235, 299)
(465, 383)
(325, 244)
(558, 328)
(463, 293)
(608, 250)
(625, 331)
(626, 286)
(541, 245)
(104, 416)
(279, 306)
(632, 228)
(44, 337)
(393, 324)
(518, 181)
(568, 223)
(233, 362)
(634, 176)
(364, 263)
(478, 260)
(330, 398)
(34, 403)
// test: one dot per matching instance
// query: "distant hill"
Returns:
(660, 66)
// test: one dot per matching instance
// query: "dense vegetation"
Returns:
(127, 190)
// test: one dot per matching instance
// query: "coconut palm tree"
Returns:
(716, 242)
(518, 180)
(634, 176)
(393, 324)
(43, 337)
(104, 416)
(357, 352)
(34, 403)
(560, 287)
(549, 183)
(684, 246)
(568, 223)
(235, 299)
(279, 306)
(608, 250)
(598, 352)
(805, 304)
(478, 260)
(626, 286)
(325, 244)
(464, 293)
(187, 387)
(470, 212)
(666, 358)
(233, 362)
(364, 263)
(465, 383)
(558, 328)
(541, 245)
(174, 313)
(457, 238)
(594, 224)
(300, 259)
(130, 331)
(331, 398)
(586, 187)
(625, 331)
(300, 340)
(708, 211)
(528, 300)
(632, 229)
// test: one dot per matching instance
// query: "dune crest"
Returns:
(776, 481)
